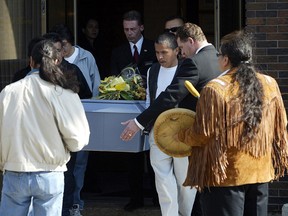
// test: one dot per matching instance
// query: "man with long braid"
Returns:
(241, 119)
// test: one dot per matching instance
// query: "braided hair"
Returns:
(237, 46)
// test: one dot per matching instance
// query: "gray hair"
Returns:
(168, 39)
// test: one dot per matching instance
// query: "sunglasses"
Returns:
(174, 29)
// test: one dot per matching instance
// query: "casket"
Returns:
(105, 117)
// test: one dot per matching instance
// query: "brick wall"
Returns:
(268, 19)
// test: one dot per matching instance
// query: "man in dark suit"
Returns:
(137, 51)
(124, 55)
(199, 67)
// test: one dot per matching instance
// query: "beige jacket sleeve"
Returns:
(71, 120)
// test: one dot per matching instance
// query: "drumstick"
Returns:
(191, 89)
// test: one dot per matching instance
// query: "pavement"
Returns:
(108, 193)
(113, 206)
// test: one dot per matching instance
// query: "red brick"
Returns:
(277, 6)
(283, 13)
(277, 36)
(269, 13)
(255, 6)
(283, 59)
(283, 44)
(266, 43)
(266, 28)
(277, 21)
(283, 28)
(256, 21)
(259, 51)
(266, 59)
(250, 14)
(278, 66)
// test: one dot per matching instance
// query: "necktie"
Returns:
(136, 54)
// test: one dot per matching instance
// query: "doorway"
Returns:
(211, 15)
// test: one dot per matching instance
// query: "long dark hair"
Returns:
(237, 46)
(46, 55)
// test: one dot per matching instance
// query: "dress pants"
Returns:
(170, 173)
(69, 179)
(244, 200)
(196, 211)
(136, 169)
(79, 174)
(135, 176)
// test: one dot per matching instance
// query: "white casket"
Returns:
(105, 117)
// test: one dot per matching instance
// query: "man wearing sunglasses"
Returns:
(172, 24)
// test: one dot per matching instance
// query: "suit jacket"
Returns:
(199, 70)
(122, 57)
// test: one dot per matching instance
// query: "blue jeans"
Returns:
(79, 173)
(44, 189)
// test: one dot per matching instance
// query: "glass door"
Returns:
(229, 16)
(64, 11)
(20, 21)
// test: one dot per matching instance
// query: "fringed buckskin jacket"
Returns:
(222, 160)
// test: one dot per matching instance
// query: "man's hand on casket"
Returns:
(130, 130)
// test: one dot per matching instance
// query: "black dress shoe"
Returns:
(131, 206)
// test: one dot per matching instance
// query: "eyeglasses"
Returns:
(219, 54)
(173, 30)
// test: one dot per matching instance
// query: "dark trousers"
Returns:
(69, 182)
(244, 200)
(136, 175)
(196, 210)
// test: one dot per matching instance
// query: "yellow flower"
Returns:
(122, 86)
(118, 88)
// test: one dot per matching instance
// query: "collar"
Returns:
(232, 70)
(138, 44)
(223, 73)
(34, 70)
(201, 47)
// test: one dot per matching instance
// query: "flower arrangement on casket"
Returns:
(126, 86)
